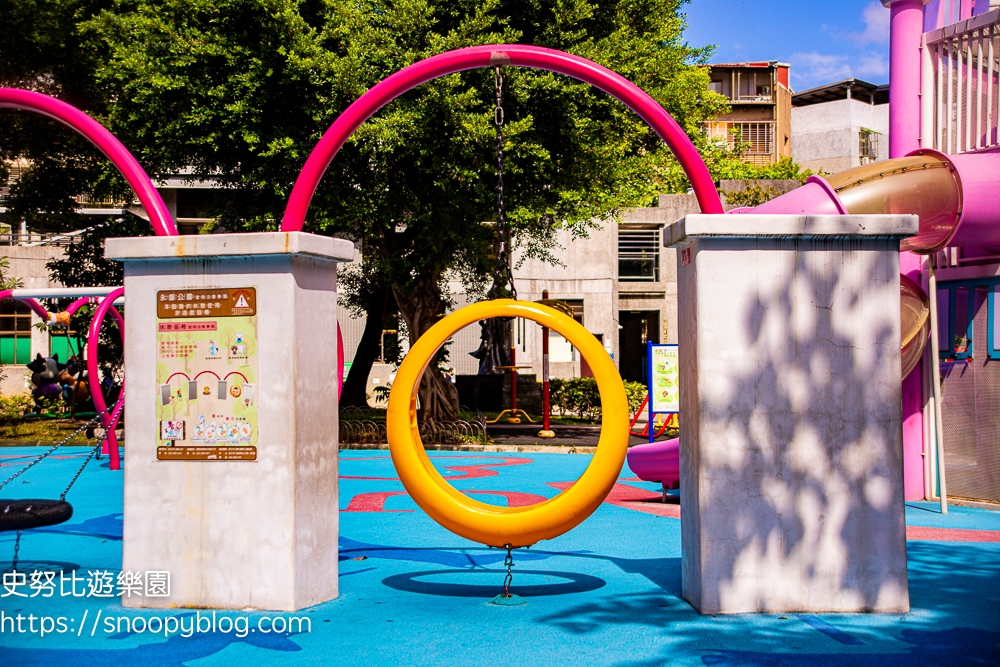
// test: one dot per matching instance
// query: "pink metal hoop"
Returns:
(107, 304)
(36, 308)
(107, 143)
(490, 55)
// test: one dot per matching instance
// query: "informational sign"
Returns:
(664, 379)
(206, 374)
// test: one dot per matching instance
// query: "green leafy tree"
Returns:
(241, 91)
(43, 48)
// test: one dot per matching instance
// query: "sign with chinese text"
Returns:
(206, 374)
(664, 379)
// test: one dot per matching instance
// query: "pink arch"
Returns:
(106, 142)
(111, 444)
(490, 55)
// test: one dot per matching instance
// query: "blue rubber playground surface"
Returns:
(411, 593)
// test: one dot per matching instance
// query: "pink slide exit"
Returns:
(657, 462)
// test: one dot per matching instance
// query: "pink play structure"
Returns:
(956, 197)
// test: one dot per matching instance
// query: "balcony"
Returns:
(753, 140)
(743, 86)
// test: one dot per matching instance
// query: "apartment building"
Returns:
(760, 98)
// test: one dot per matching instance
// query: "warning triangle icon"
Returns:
(241, 302)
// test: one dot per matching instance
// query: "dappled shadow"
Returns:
(958, 647)
(177, 651)
(798, 417)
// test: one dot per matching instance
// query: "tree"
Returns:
(42, 48)
(241, 91)
(365, 292)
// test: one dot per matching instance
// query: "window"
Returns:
(15, 332)
(755, 141)
(868, 145)
(639, 255)
(993, 324)
(560, 349)
(960, 303)
(62, 345)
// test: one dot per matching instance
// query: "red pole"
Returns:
(545, 372)
(513, 382)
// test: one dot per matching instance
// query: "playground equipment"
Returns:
(515, 413)
(657, 462)
(488, 524)
(508, 527)
(296, 534)
(25, 514)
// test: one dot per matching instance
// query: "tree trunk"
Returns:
(368, 350)
(421, 309)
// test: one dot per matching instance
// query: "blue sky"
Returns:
(824, 40)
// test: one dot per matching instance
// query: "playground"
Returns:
(608, 592)
(801, 517)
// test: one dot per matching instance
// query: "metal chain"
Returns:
(93, 452)
(509, 562)
(503, 275)
(57, 446)
(17, 548)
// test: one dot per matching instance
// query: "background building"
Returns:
(840, 125)
(761, 102)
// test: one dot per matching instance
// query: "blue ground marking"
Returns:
(176, 651)
(958, 647)
(606, 593)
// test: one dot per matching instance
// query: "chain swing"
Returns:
(25, 514)
(495, 336)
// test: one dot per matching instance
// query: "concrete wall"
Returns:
(28, 264)
(589, 272)
(662, 294)
(825, 137)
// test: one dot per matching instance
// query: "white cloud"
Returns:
(873, 65)
(815, 69)
(810, 69)
(876, 20)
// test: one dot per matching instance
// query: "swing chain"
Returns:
(54, 448)
(17, 548)
(93, 452)
(503, 274)
(509, 563)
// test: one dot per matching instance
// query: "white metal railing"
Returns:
(961, 85)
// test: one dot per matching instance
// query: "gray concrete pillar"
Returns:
(231, 399)
(791, 437)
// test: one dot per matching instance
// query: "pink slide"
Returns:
(957, 200)
(657, 462)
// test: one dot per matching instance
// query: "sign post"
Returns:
(662, 382)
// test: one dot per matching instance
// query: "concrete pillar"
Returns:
(240, 507)
(791, 447)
